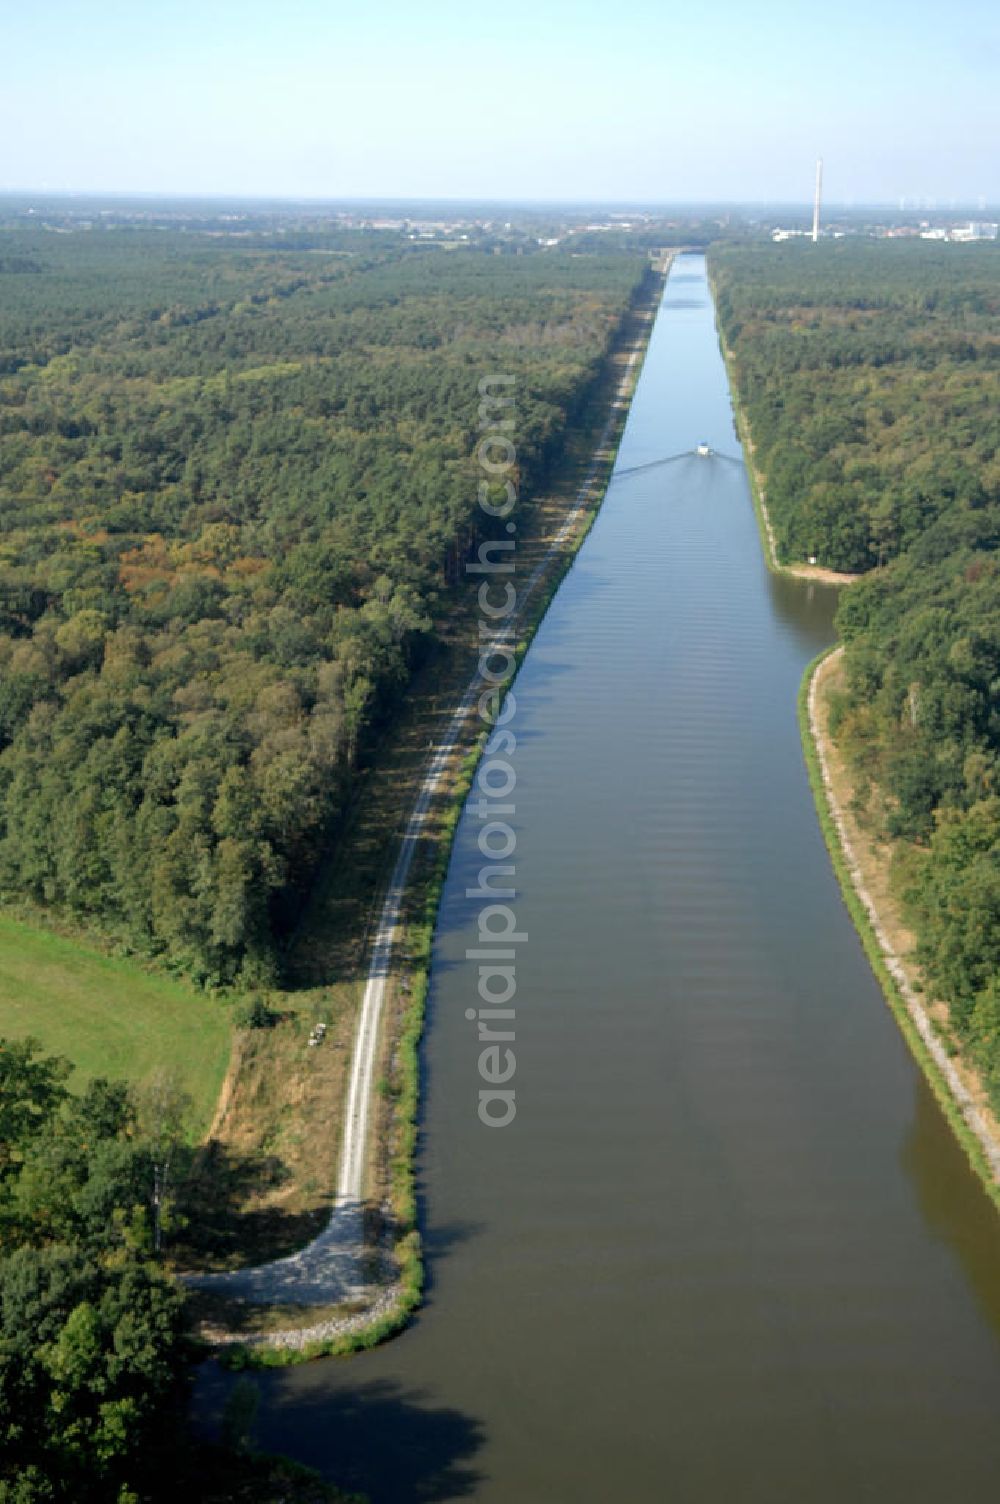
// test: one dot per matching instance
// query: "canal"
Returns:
(728, 1249)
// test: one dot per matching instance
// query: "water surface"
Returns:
(728, 1250)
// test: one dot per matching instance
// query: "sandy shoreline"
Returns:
(864, 867)
(799, 571)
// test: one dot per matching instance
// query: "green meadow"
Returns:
(110, 1017)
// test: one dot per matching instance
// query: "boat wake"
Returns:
(702, 451)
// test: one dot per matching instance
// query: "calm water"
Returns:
(728, 1250)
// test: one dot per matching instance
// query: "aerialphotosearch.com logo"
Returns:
(499, 937)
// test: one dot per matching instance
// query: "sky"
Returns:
(513, 99)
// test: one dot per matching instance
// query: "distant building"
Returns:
(976, 230)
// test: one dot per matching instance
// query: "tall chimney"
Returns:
(819, 190)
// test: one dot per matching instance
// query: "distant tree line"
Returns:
(870, 377)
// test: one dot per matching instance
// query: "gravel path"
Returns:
(330, 1269)
(963, 1098)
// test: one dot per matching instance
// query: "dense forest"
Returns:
(95, 1362)
(238, 484)
(869, 374)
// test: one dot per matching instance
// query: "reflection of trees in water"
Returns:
(372, 1435)
(954, 1205)
(376, 1437)
(807, 606)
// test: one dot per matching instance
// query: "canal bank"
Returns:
(865, 882)
(345, 1291)
(803, 570)
(729, 1248)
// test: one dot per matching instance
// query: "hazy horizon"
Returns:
(561, 104)
(468, 202)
